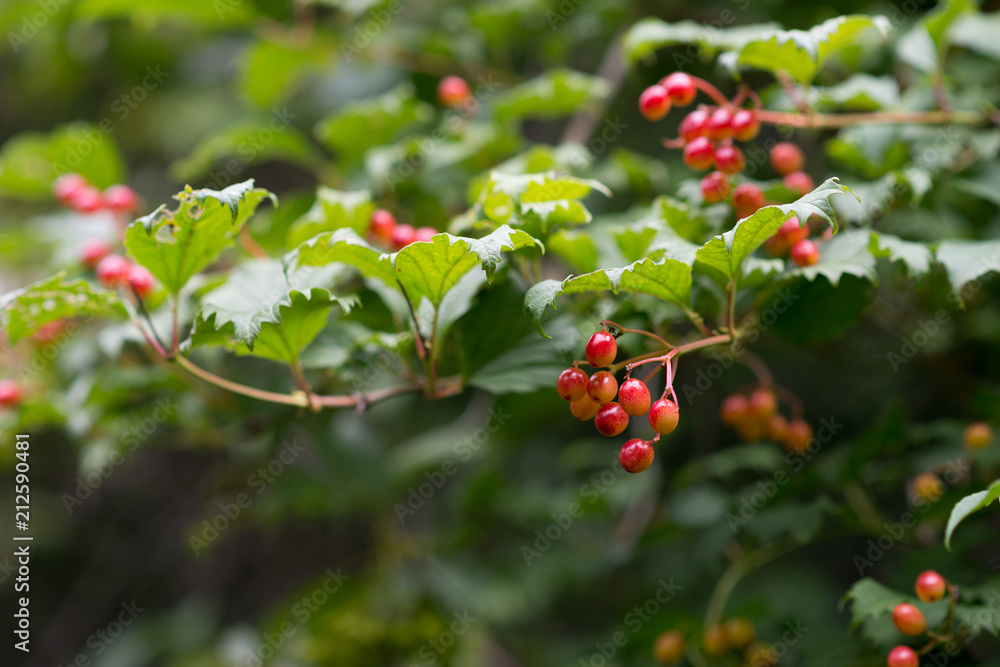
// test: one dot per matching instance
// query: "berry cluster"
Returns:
(755, 416)
(930, 587)
(75, 192)
(736, 635)
(384, 230)
(593, 397)
(707, 137)
(117, 271)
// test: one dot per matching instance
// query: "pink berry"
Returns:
(799, 182)
(786, 157)
(141, 279)
(680, 88)
(745, 124)
(381, 225)
(729, 159)
(93, 251)
(693, 125)
(635, 455)
(86, 199)
(634, 397)
(805, 253)
(720, 124)
(714, 187)
(747, 199)
(113, 270)
(453, 91)
(403, 235)
(611, 420)
(65, 187)
(663, 416)
(699, 153)
(930, 586)
(601, 349)
(425, 233)
(121, 198)
(572, 384)
(10, 393)
(902, 656)
(654, 103)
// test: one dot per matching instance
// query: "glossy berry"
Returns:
(699, 154)
(719, 125)
(714, 187)
(93, 251)
(65, 187)
(86, 199)
(762, 404)
(729, 159)
(928, 487)
(680, 88)
(747, 198)
(930, 586)
(425, 234)
(800, 434)
(635, 455)
(121, 199)
(141, 279)
(601, 349)
(733, 410)
(654, 103)
(761, 655)
(453, 91)
(611, 420)
(792, 231)
(978, 435)
(739, 633)
(10, 393)
(668, 649)
(804, 253)
(634, 397)
(381, 225)
(799, 182)
(113, 270)
(786, 157)
(745, 124)
(777, 429)
(572, 384)
(909, 620)
(902, 656)
(713, 642)
(403, 235)
(693, 125)
(585, 408)
(663, 416)
(602, 387)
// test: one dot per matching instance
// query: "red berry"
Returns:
(113, 270)
(86, 199)
(792, 231)
(903, 656)
(693, 125)
(680, 88)
(804, 253)
(733, 410)
(602, 387)
(141, 279)
(634, 397)
(654, 103)
(48, 333)
(121, 198)
(745, 124)
(403, 235)
(786, 157)
(10, 393)
(601, 349)
(800, 434)
(729, 159)
(978, 435)
(747, 198)
(584, 409)
(381, 225)
(65, 187)
(762, 404)
(611, 420)
(453, 91)
(777, 429)
(799, 182)
(93, 251)
(909, 620)
(663, 416)
(425, 233)
(572, 384)
(635, 455)
(930, 586)
(714, 187)
(699, 154)
(720, 124)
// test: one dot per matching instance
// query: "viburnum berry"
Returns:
(113, 270)
(668, 649)
(978, 435)
(65, 187)
(928, 487)
(745, 124)
(733, 410)
(680, 88)
(713, 642)
(902, 656)
(86, 199)
(654, 103)
(601, 349)
(611, 420)
(693, 125)
(714, 187)
(141, 279)
(403, 235)
(729, 159)
(799, 182)
(381, 225)
(793, 231)
(584, 408)
(602, 387)
(747, 199)
(720, 124)
(930, 586)
(635, 455)
(11, 394)
(93, 251)
(634, 397)
(909, 620)
(762, 404)
(761, 655)
(121, 199)
(49, 332)
(663, 416)
(739, 633)
(804, 253)
(777, 429)
(751, 430)
(453, 91)
(425, 234)
(786, 157)
(699, 154)
(572, 384)
(800, 434)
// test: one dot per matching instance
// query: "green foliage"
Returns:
(27, 310)
(966, 506)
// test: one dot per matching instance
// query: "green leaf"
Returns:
(552, 94)
(332, 210)
(916, 257)
(977, 33)
(726, 253)
(547, 199)
(151, 13)
(667, 279)
(966, 261)
(847, 253)
(26, 310)
(863, 92)
(974, 620)
(650, 34)
(966, 506)
(870, 599)
(175, 245)
(273, 70)
(577, 248)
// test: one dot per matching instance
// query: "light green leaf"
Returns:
(977, 32)
(26, 310)
(272, 70)
(151, 13)
(862, 91)
(553, 94)
(577, 248)
(966, 506)
(332, 210)
(547, 199)
(650, 34)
